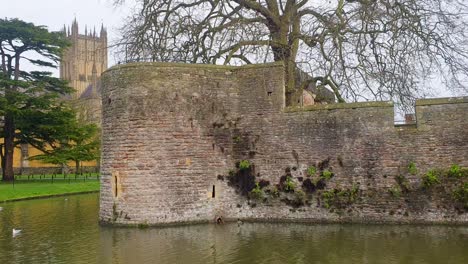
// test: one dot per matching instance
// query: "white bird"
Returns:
(1, 208)
(16, 232)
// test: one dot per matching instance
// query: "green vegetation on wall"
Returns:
(340, 198)
(461, 195)
(256, 193)
(289, 185)
(453, 183)
(311, 171)
(326, 174)
(244, 164)
(430, 179)
(412, 168)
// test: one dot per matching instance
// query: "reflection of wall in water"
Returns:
(280, 243)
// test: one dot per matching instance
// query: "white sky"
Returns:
(55, 13)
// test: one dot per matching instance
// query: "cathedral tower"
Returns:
(86, 59)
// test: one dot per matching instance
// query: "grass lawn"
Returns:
(25, 189)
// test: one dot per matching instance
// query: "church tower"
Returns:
(85, 60)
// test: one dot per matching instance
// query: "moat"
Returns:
(66, 230)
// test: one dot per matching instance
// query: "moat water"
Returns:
(65, 230)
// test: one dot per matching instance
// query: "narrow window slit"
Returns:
(213, 193)
(115, 185)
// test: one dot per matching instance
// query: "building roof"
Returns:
(91, 91)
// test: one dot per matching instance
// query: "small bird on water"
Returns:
(1, 208)
(16, 232)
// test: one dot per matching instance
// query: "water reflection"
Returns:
(274, 243)
(66, 231)
(54, 230)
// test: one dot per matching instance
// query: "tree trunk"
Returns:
(293, 91)
(77, 167)
(9, 128)
(63, 168)
(285, 50)
(2, 157)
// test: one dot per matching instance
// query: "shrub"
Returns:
(455, 171)
(353, 193)
(340, 198)
(328, 197)
(289, 185)
(403, 183)
(430, 179)
(256, 193)
(275, 192)
(461, 195)
(326, 174)
(311, 171)
(244, 164)
(299, 198)
(395, 191)
(412, 168)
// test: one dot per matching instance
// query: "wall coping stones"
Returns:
(338, 106)
(419, 102)
(441, 101)
(186, 65)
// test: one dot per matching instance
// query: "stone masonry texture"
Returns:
(172, 132)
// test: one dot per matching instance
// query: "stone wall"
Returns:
(173, 135)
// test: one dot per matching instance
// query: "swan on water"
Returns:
(16, 232)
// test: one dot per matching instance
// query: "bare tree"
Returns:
(360, 49)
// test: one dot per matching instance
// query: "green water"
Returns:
(65, 230)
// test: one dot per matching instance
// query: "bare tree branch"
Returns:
(359, 49)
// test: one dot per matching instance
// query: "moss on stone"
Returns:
(338, 106)
(441, 101)
(142, 65)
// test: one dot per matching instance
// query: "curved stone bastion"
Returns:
(199, 143)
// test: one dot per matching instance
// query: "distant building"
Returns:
(84, 62)
(82, 65)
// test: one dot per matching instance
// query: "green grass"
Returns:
(33, 189)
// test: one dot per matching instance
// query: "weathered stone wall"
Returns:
(172, 133)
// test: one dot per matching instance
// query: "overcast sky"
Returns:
(55, 13)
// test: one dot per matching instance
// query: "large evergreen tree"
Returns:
(29, 96)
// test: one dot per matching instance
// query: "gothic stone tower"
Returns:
(83, 63)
